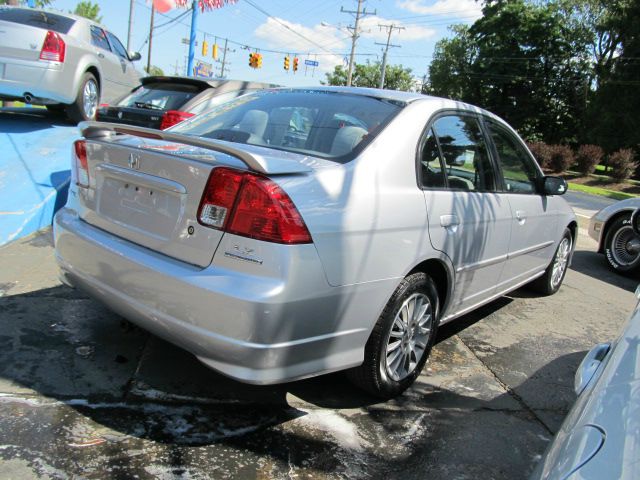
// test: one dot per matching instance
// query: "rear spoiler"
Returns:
(258, 163)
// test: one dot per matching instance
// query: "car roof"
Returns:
(205, 83)
(397, 96)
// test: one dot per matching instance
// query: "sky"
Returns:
(309, 29)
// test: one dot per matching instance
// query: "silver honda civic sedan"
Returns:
(295, 232)
(62, 61)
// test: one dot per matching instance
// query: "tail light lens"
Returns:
(80, 164)
(251, 205)
(53, 48)
(173, 117)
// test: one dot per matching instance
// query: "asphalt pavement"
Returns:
(83, 394)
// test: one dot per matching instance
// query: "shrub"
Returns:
(542, 153)
(562, 158)
(588, 157)
(622, 164)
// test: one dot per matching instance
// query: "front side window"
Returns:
(330, 125)
(117, 46)
(467, 163)
(517, 167)
(99, 39)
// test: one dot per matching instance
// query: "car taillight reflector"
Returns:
(173, 117)
(251, 205)
(53, 48)
(80, 164)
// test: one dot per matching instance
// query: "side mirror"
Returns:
(134, 56)
(635, 221)
(554, 186)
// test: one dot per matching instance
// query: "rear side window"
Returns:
(432, 170)
(160, 96)
(330, 125)
(37, 18)
(99, 39)
(464, 151)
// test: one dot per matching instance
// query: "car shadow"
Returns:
(27, 119)
(595, 265)
(62, 345)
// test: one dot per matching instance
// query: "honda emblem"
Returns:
(134, 162)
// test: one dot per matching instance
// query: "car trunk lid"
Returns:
(146, 187)
(142, 117)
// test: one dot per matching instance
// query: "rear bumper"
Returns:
(47, 82)
(257, 329)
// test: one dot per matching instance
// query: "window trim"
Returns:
(497, 173)
(486, 122)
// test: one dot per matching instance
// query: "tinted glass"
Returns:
(215, 101)
(326, 124)
(37, 18)
(517, 167)
(467, 162)
(117, 46)
(99, 39)
(431, 163)
(160, 96)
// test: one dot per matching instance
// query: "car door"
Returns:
(468, 219)
(127, 75)
(534, 221)
(110, 66)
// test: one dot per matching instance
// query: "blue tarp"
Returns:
(35, 155)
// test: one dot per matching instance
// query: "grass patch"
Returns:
(602, 192)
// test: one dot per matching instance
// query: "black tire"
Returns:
(550, 282)
(616, 246)
(373, 375)
(77, 111)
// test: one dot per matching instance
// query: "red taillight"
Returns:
(251, 205)
(172, 117)
(53, 48)
(80, 164)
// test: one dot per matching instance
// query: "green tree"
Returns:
(396, 77)
(88, 9)
(154, 70)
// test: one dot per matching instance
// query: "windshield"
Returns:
(326, 124)
(160, 96)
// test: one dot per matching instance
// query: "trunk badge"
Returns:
(134, 162)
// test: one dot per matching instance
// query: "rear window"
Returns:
(160, 96)
(37, 18)
(330, 125)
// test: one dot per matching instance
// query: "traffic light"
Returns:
(259, 60)
(286, 62)
(251, 60)
(205, 48)
(214, 51)
(295, 64)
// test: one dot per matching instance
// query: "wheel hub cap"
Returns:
(409, 336)
(625, 246)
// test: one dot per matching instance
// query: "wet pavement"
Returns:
(84, 394)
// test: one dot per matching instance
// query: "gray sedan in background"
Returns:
(62, 61)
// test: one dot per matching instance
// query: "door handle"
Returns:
(447, 221)
(521, 216)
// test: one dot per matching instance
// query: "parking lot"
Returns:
(83, 394)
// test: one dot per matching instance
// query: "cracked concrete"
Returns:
(85, 395)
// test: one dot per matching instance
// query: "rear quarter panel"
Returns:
(368, 217)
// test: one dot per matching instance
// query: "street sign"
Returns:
(311, 63)
(203, 69)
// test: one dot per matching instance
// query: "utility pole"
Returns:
(224, 57)
(153, 11)
(355, 33)
(390, 29)
(131, 2)
(192, 38)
